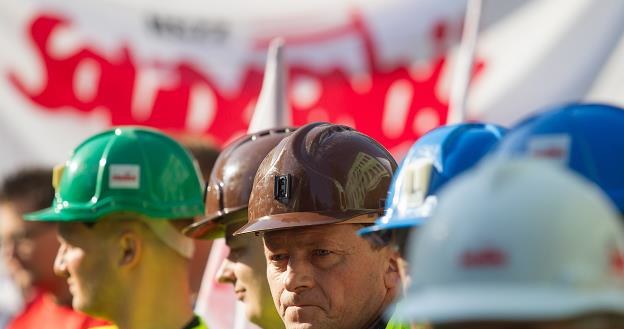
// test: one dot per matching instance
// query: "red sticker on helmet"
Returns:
(617, 262)
(124, 176)
(486, 257)
(554, 147)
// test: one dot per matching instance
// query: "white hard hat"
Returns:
(516, 240)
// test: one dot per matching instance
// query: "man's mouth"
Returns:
(70, 286)
(240, 294)
(300, 306)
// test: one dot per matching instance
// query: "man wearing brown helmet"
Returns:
(227, 197)
(311, 194)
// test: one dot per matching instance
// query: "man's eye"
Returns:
(278, 257)
(321, 252)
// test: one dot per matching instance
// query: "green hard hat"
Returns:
(129, 169)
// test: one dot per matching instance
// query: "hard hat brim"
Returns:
(303, 219)
(91, 213)
(483, 302)
(213, 226)
(48, 215)
(205, 230)
(393, 225)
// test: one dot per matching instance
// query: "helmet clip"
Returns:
(282, 188)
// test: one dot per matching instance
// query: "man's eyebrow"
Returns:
(281, 242)
(274, 242)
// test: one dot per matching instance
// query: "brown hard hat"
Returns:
(321, 174)
(231, 179)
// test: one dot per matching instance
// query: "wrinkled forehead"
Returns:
(343, 235)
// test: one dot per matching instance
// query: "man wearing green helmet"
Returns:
(121, 200)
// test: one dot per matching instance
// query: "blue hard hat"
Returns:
(431, 162)
(587, 138)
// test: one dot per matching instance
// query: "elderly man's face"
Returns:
(328, 277)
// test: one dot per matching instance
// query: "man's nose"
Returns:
(225, 274)
(299, 275)
(60, 267)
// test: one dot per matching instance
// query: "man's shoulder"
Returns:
(397, 325)
(199, 324)
(196, 323)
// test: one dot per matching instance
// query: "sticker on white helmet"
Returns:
(124, 176)
(553, 147)
(489, 257)
(617, 262)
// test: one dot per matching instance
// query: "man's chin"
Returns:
(252, 315)
(305, 317)
(79, 304)
(298, 325)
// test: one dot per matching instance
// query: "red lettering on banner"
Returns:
(396, 93)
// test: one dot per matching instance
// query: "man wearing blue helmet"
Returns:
(579, 136)
(436, 158)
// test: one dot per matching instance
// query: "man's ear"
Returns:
(392, 278)
(130, 249)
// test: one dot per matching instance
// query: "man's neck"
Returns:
(378, 322)
(156, 304)
(272, 321)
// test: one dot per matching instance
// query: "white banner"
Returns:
(71, 68)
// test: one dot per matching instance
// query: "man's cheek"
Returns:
(273, 279)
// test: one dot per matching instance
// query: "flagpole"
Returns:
(464, 63)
